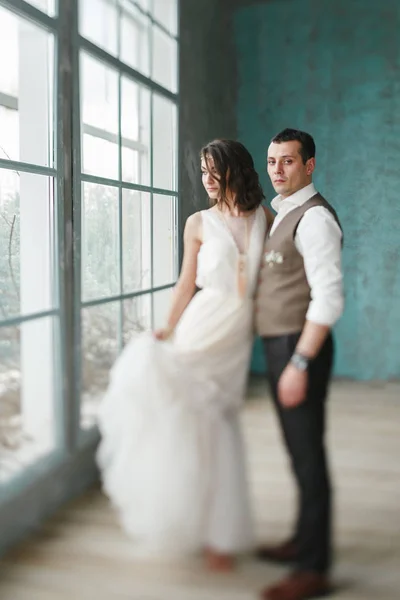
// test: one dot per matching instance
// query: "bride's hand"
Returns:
(163, 334)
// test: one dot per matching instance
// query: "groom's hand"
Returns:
(292, 386)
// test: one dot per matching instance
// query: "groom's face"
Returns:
(286, 168)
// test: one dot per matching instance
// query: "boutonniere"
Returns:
(273, 257)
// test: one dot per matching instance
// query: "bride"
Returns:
(171, 454)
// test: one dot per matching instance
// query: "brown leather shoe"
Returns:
(301, 585)
(284, 553)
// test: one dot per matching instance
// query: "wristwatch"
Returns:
(300, 361)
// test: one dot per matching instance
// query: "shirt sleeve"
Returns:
(319, 240)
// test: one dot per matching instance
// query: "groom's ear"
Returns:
(310, 165)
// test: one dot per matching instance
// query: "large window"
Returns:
(128, 179)
(29, 301)
(88, 208)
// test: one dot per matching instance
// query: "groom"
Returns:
(299, 298)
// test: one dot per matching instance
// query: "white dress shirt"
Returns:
(318, 239)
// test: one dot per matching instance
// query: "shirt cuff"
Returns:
(324, 312)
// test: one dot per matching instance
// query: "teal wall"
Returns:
(332, 67)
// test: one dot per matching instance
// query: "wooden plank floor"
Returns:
(81, 554)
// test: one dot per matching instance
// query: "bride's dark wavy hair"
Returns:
(235, 172)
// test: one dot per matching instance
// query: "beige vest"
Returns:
(283, 293)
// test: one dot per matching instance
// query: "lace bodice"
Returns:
(223, 241)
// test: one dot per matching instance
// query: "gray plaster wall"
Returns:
(207, 68)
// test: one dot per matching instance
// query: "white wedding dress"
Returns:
(171, 454)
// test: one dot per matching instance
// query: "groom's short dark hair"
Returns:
(307, 144)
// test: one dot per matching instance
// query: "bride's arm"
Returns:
(186, 285)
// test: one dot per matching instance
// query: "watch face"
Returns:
(299, 362)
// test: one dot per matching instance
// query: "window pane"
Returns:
(99, 98)
(9, 46)
(26, 243)
(144, 4)
(26, 91)
(100, 241)
(100, 157)
(134, 37)
(164, 240)
(130, 107)
(27, 394)
(161, 305)
(136, 240)
(101, 21)
(166, 13)
(164, 143)
(98, 22)
(165, 58)
(47, 6)
(135, 127)
(136, 316)
(10, 251)
(130, 165)
(9, 137)
(100, 346)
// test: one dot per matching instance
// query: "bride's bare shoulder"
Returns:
(193, 227)
(194, 219)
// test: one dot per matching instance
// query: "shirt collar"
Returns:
(298, 198)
